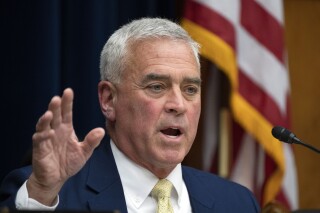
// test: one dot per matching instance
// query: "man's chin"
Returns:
(172, 158)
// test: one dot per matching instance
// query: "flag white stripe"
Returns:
(229, 9)
(263, 68)
(290, 179)
(274, 8)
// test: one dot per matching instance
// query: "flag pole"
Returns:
(224, 142)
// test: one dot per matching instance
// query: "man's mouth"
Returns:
(173, 132)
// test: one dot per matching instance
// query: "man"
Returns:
(150, 95)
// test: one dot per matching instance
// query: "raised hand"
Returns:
(57, 153)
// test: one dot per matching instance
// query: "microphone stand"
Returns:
(309, 146)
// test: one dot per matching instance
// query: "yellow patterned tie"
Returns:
(162, 191)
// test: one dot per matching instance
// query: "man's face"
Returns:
(158, 104)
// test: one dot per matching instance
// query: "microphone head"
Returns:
(282, 134)
(277, 131)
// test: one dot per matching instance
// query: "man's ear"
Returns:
(107, 95)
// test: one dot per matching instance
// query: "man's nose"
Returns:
(176, 102)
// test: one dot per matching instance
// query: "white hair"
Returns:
(112, 59)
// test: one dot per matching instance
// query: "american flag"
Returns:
(245, 40)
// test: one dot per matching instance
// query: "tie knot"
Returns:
(162, 189)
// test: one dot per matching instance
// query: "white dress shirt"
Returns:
(137, 183)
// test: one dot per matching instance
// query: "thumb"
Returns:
(93, 139)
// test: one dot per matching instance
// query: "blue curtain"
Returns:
(49, 45)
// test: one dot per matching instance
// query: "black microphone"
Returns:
(284, 135)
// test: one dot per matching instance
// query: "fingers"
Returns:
(38, 137)
(55, 108)
(60, 111)
(66, 105)
(44, 121)
(43, 129)
(93, 139)
(61, 108)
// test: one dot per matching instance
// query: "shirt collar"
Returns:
(138, 182)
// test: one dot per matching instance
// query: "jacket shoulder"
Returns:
(11, 184)
(219, 193)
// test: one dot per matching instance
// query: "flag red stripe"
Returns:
(264, 27)
(218, 25)
(260, 100)
(283, 198)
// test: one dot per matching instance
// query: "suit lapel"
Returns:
(104, 179)
(201, 199)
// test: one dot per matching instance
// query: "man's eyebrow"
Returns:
(195, 80)
(160, 77)
(155, 76)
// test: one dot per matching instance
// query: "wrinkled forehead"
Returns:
(161, 58)
(161, 46)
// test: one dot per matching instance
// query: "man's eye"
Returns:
(156, 87)
(191, 90)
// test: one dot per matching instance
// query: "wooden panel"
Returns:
(302, 19)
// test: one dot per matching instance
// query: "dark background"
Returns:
(49, 45)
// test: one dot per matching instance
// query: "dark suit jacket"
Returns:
(97, 187)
